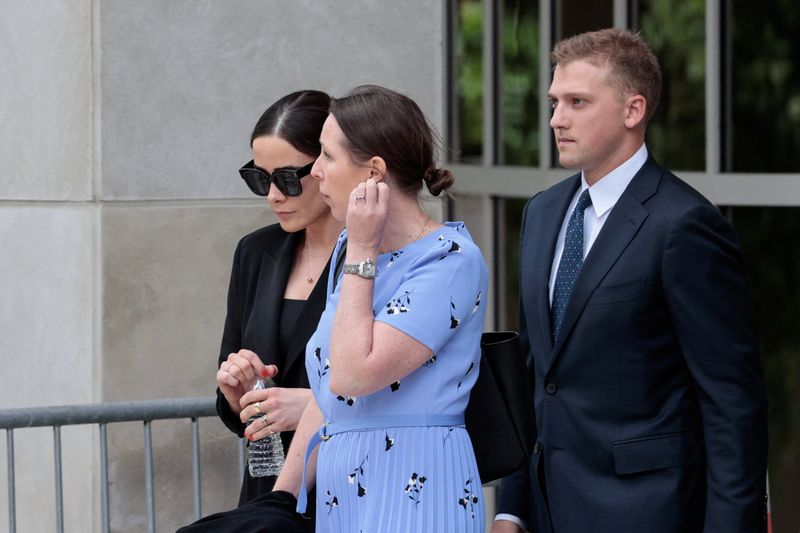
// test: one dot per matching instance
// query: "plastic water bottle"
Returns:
(265, 457)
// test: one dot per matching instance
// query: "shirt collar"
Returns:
(610, 187)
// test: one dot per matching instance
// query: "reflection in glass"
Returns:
(578, 16)
(764, 93)
(675, 30)
(468, 56)
(520, 83)
(772, 254)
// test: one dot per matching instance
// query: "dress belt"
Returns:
(366, 423)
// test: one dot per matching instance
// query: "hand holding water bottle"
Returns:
(285, 406)
(265, 455)
(237, 374)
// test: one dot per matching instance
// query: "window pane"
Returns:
(772, 253)
(764, 89)
(508, 260)
(519, 84)
(578, 16)
(675, 29)
(468, 56)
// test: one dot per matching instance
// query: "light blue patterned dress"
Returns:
(410, 478)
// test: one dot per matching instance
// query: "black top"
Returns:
(290, 314)
(261, 266)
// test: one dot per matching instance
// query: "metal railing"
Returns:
(102, 414)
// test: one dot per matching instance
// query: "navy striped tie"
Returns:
(571, 261)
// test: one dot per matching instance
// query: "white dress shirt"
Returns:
(605, 194)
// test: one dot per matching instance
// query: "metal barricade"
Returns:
(102, 414)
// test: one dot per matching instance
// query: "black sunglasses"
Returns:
(287, 180)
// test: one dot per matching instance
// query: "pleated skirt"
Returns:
(399, 480)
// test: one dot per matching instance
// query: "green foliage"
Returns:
(469, 58)
(675, 31)
(765, 95)
(520, 83)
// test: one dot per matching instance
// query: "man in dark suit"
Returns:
(649, 398)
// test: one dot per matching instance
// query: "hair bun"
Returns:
(438, 179)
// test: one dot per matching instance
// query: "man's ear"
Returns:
(635, 111)
(377, 168)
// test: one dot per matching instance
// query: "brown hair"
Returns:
(380, 122)
(634, 68)
(296, 118)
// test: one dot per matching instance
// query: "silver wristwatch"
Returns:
(365, 269)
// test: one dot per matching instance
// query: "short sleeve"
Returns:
(440, 293)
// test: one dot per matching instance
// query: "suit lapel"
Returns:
(273, 276)
(547, 227)
(623, 223)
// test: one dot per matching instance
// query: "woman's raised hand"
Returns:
(367, 211)
(238, 373)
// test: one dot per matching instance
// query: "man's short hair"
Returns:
(634, 68)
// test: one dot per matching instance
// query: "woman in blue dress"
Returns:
(397, 348)
(396, 351)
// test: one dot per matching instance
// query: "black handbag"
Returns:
(499, 416)
(272, 512)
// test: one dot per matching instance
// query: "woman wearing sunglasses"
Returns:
(278, 280)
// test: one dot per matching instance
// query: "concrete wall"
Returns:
(121, 130)
(48, 262)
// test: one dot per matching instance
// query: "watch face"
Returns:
(365, 269)
(368, 269)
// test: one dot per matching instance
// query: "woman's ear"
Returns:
(377, 168)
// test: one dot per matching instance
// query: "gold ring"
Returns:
(258, 408)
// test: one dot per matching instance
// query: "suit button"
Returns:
(537, 448)
(551, 388)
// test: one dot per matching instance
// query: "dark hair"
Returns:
(634, 68)
(296, 118)
(380, 122)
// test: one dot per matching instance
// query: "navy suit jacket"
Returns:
(650, 404)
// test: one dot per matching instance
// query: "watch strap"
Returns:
(366, 269)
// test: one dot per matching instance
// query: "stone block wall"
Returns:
(122, 126)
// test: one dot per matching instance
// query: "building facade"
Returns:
(123, 124)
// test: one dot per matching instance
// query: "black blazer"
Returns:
(261, 267)
(650, 404)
